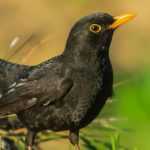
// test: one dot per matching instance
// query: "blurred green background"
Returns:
(33, 31)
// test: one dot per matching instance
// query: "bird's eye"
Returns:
(95, 28)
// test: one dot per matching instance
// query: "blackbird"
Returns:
(68, 91)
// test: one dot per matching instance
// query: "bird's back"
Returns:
(10, 72)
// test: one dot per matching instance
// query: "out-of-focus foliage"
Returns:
(134, 105)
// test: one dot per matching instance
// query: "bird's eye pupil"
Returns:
(95, 28)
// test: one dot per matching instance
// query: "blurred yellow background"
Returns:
(33, 31)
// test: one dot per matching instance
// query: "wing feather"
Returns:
(37, 89)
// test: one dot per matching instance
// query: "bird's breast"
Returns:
(93, 90)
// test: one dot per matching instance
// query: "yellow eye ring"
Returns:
(95, 28)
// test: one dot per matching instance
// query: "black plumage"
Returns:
(68, 91)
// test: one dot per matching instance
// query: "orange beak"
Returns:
(120, 20)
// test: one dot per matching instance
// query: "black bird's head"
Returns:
(91, 36)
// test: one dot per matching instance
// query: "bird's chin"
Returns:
(106, 41)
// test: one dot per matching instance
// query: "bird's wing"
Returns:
(35, 90)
